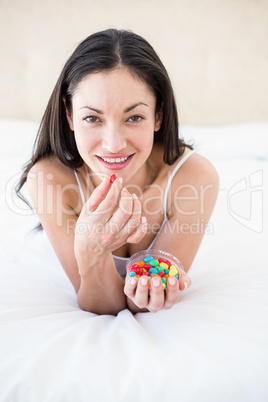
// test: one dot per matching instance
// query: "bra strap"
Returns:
(174, 171)
(80, 188)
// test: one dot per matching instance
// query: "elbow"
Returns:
(101, 308)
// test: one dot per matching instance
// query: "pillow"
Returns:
(248, 140)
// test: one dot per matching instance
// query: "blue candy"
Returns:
(153, 271)
(147, 259)
(132, 274)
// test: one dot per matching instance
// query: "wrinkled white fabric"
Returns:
(213, 345)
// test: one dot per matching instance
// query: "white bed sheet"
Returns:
(213, 345)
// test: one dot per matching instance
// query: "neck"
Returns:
(142, 179)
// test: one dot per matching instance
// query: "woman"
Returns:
(113, 111)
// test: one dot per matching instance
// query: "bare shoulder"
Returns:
(196, 181)
(49, 178)
(50, 168)
(196, 169)
(191, 198)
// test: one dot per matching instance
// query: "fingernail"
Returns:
(134, 196)
(144, 281)
(156, 282)
(172, 281)
(185, 285)
(120, 179)
(133, 281)
(143, 219)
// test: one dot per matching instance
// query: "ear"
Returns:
(158, 119)
(68, 114)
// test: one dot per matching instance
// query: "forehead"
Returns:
(118, 85)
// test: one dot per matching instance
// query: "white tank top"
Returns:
(120, 262)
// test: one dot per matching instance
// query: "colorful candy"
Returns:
(113, 178)
(152, 268)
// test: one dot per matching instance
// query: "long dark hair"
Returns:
(105, 50)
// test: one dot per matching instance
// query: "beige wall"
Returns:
(216, 51)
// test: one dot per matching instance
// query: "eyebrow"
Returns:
(128, 109)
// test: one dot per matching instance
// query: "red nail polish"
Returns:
(113, 178)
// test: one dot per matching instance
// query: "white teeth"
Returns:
(114, 160)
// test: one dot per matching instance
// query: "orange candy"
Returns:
(141, 263)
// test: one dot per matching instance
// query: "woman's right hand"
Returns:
(110, 218)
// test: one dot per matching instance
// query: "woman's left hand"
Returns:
(137, 291)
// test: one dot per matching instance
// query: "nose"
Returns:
(114, 140)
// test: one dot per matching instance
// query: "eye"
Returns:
(135, 119)
(92, 119)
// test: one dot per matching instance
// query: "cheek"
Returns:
(84, 142)
(146, 142)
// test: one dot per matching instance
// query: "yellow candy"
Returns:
(164, 265)
(173, 271)
(164, 285)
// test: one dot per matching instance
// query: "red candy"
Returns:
(136, 270)
(147, 266)
(113, 178)
(140, 269)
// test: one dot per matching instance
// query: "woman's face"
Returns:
(113, 119)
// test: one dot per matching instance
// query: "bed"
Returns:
(213, 345)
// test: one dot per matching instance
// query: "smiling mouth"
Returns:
(115, 160)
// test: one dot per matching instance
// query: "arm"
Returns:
(192, 198)
(101, 290)
(86, 254)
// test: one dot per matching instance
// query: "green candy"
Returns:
(160, 269)
(154, 263)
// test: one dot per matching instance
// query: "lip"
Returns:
(115, 166)
(114, 156)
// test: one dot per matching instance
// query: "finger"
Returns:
(185, 281)
(141, 296)
(130, 287)
(172, 292)
(156, 301)
(139, 233)
(123, 213)
(98, 194)
(110, 203)
(134, 217)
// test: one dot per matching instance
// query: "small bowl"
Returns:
(156, 254)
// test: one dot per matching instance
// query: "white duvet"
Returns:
(212, 346)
